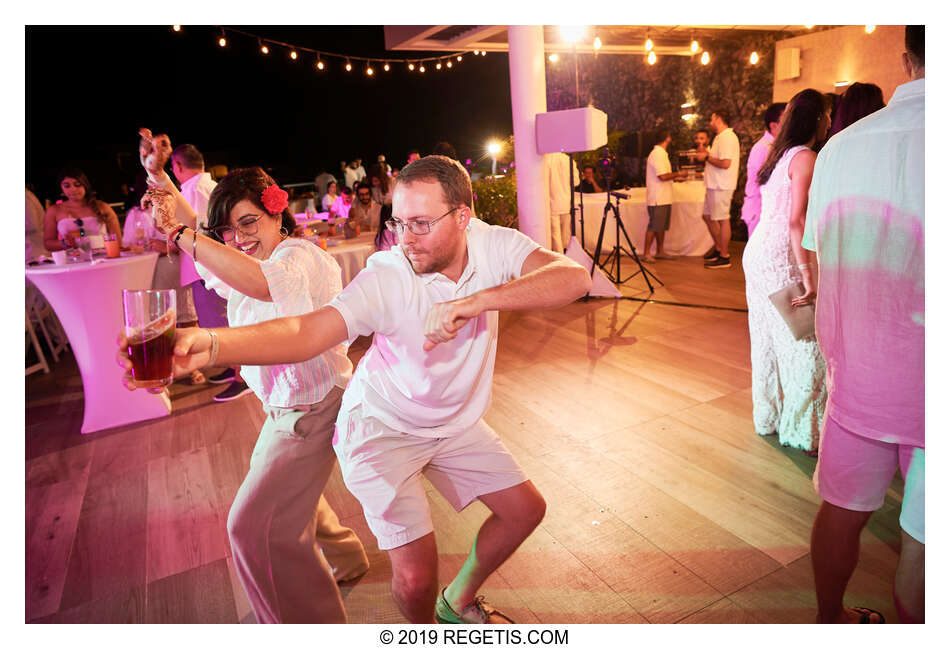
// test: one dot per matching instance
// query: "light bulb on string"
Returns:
(422, 68)
(808, 26)
(553, 58)
(264, 48)
(694, 45)
(412, 67)
(705, 58)
(448, 64)
(386, 67)
(597, 43)
(320, 65)
(222, 41)
(869, 28)
(459, 58)
(293, 54)
(438, 66)
(648, 46)
(176, 28)
(369, 70)
(349, 66)
(754, 58)
(484, 52)
(651, 57)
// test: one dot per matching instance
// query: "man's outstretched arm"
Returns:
(548, 280)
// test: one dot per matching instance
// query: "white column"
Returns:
(526, 69)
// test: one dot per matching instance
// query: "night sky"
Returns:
(88, 89)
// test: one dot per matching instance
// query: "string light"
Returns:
(448, 64)
(349, 66)
(648, 46)
(438, 66)
(264, 48)
(320, 65)
(411, 67)
(176, 28)
(572, 33)
(459, 58)
(553, 58)
(369, 70)
(597, 43)
(705, 58)
(754, 58)
(484, 52)
(293, 54)
(808, 26)
(870, 28)
(222, 41)
(422, 68)
(694, 47)
(651, 58)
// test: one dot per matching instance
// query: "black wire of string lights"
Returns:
(322, 57)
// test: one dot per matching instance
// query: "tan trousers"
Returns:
(279, 521)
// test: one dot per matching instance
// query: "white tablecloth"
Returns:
(351, 254)
(87, 298)
(687, 235)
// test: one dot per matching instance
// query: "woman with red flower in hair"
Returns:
(288, 546)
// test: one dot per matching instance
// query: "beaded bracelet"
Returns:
(178, 234)
(194, 245)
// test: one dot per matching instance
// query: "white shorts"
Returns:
(854, 473)
(717, 203)
(383, 468)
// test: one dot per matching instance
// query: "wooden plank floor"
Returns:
(632, 418)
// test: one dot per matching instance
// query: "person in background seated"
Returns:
(381, 184)
(341, 206)
(752, 204)
(381, 161)
(329, 197)
(859, 101)
(386, 232)
(588, 184)
(81, 214)
(320, 183)
(365, 210)
(34, 226)
(288, 546)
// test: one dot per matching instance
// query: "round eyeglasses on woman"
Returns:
(226, 233)
(416, 226)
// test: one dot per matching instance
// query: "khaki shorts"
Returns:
(717, 203)
(854, 473)
(383, 468)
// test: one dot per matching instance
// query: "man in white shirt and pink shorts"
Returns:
(415, 403)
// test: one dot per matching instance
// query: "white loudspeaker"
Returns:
(602, 286)
(568, 131)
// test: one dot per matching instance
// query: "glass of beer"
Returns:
(150, 330)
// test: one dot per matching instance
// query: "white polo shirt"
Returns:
(659, 192)
(444, 391)
(725, 146)
(196, 191)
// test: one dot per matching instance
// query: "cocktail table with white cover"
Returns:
(688, 234)
(351, 254)
(87, 299)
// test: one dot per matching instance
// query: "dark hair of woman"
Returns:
(90, 197)
(379, 171)
(239, 185)
(799, 126)
(385, 214)
(859, 101)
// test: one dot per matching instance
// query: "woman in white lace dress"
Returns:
(788, 375)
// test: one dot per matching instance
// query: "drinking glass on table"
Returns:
(150, 330)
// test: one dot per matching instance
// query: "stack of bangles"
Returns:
(805, 266)
(214, 347)
(194, 240)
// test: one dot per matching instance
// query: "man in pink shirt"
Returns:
(752, 205)
(866, 222)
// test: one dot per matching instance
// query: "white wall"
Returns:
(845, 54)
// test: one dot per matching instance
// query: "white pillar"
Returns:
(526, 69)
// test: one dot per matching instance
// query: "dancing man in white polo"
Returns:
(415, 403)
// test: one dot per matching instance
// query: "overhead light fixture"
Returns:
(651, 57)
(648, 46)
(459, 58)
(264, 48)
(293, 54)
(870, 28)
(438, 66)
(369, 70)
(705, 58)
(349, 66)
(448, 64)
(572, 33)
(176, 28)
(553, 58)
(222, 41)
(597, 43)
(386, 67)
(808, 26)
(320, 65)
(694, 47)
(754, 58)
(422, 68)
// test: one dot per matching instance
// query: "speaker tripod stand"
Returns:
(611, 264)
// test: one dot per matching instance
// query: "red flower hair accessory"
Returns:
(274, 199)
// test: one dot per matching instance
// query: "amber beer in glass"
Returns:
(150, 330)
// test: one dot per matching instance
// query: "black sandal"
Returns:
(866, 614)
